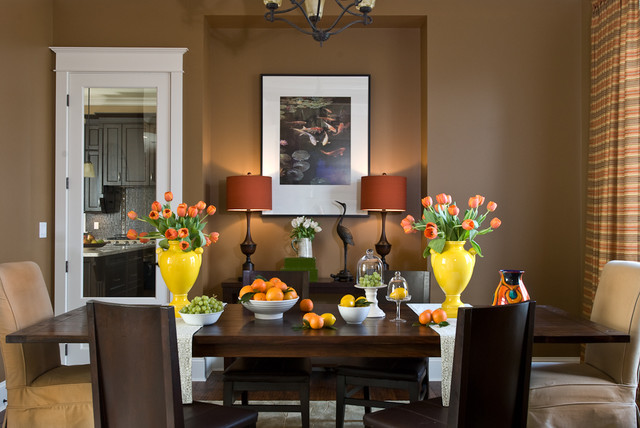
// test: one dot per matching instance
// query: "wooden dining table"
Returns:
(238, 333)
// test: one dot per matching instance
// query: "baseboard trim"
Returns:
(3, 395)
(202, 367)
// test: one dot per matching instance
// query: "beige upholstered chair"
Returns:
(40, 391)
(600, 392)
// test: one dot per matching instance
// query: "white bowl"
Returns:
(354, 314)
(269, 309)
(201, 319)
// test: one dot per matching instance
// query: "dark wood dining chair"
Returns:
(135, 372)
(408, 374)
(299, 280)
(490, 378)
(245, 375)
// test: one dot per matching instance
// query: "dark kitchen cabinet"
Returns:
(127, 155)
(116, 275)
(93, 155)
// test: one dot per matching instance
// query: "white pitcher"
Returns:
(302, 247)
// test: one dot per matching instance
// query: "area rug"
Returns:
(322, 415)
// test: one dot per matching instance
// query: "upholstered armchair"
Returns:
(601, 391)
(40, 391)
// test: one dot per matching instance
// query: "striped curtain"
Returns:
(613, 184)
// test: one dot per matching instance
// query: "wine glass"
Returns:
(398, 291)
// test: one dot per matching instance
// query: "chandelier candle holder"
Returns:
(312, 11)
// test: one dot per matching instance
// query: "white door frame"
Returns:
(79, 66)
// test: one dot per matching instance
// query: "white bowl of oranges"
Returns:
(268, 300)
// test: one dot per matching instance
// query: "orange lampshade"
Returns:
(248, 193)
(383, 193)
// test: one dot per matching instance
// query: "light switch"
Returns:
(96, 225)
(43, 229)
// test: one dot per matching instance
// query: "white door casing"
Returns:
(79, 68)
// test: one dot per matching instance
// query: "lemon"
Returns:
(329, 319)
(398, 294)
(348, 300)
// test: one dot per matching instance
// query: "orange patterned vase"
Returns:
(511, 288)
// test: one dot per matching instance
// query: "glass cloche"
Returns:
(369, 277)
(369, 271)
(398, 291)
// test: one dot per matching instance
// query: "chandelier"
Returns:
(312, 12)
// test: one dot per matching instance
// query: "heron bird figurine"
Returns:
(347, 239)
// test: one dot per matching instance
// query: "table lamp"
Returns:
(248, 193)
(383, 193)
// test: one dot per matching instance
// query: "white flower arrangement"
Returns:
(304, 227)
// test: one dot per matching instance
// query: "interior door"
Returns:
(98, 102)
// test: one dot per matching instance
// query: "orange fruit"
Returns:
(307, 317)
(274, 293)
(282, 285)
(260, 296)
(306, 305)
(425, 317)
(244, 290)
(316, 322)
(259, 285)
(268, 284)
(438, 315)
(290, 294)
(275, 280)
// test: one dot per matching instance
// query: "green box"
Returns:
(302, 263)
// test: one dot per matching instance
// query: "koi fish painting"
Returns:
(315, 152)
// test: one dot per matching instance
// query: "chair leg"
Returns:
(340, 392)
(304, 403)
(228, 398)
(414, 392)
(367, 396)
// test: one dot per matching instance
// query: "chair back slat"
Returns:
(134, 363)
(493, 348)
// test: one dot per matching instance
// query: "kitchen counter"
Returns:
(111, 249)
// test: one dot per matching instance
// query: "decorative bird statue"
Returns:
(347, 239)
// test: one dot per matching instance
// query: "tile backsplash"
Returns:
(138, 199)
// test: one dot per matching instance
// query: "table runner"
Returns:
(447, 344)
(184, 333)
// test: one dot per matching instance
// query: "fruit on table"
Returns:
(316, 322)
(203, 305)
(329, 319)
(274, 293)
(398, 294)
(308, 316)
(271, 290)
(306, 305)
(348, 301)
(438, 316)
(425, 317)
(370, 280)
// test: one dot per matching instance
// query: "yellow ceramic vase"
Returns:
(453, 269)
(179, 270)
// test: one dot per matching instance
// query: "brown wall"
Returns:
(504, 102)
(26, 129)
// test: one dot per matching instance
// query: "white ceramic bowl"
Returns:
(269, 309)
(355, 314)
(201, 319)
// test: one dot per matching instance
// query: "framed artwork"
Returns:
(315, 142)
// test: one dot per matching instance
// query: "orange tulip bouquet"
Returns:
(440, 222)
(185, 225)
